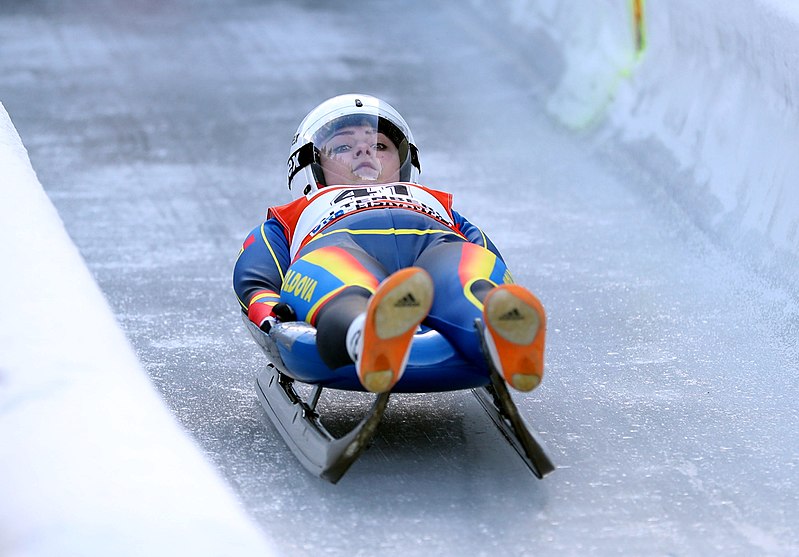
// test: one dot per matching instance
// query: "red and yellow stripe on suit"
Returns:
(319, 275)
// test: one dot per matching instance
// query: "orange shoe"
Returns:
(515, 325)
(395, 310)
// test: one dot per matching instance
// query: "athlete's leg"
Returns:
(383, 341)
(359, 316)
(463, 274)
(329, 287)
(481, 286)
(515, 329)
(347, 262)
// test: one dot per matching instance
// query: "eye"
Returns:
(381, 146)
(339, 149)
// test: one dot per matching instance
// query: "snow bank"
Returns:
(708, 106)
(91, 462)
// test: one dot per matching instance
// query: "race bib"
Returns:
(332, 204)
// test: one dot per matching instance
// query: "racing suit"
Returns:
(325, 255)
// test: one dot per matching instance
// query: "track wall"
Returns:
(701, 96)
(91, 461)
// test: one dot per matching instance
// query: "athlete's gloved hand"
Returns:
(266, 324)
(284, 312)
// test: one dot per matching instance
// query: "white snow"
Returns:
(91, 462)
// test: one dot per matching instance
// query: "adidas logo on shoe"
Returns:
(395, 310)
(515, 324)
(407, 301)
(512, 315)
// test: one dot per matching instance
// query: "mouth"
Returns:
(366, 171)
(365, 165)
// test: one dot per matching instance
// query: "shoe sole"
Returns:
(395, 311)
(516, 323)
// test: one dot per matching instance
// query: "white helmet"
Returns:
(305, 175)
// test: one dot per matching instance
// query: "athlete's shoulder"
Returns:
(444, 197)
(427, 188)
(299, 205)
(287, 208)
(289, 213)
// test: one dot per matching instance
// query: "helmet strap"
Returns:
(415, 157)
(301, 158)
(306, 155)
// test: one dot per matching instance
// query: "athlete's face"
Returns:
(359, 155)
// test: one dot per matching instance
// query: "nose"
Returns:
(363, 148)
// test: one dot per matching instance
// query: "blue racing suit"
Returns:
(326, 254)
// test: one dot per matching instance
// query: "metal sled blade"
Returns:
(320, 452)
(496, 401)
(498, 404)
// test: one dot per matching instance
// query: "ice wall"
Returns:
(707, 106)
(91, 461)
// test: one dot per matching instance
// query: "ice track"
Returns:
(160, 132)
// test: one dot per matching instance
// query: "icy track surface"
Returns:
(160, 132)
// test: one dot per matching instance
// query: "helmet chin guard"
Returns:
(305, 174)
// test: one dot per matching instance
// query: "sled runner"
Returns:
(434, 366)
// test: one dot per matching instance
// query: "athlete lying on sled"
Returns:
(365, 254)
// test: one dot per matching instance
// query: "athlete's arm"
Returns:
(260, 267)
(474, 234)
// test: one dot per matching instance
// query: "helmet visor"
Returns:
(382, 125)
(361, 149)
